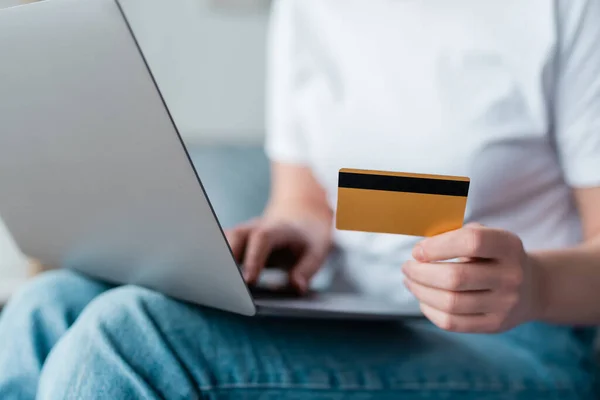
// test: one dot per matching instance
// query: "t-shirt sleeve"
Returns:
(577, 96)
(285, 141)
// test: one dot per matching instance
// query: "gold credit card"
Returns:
(400, 203)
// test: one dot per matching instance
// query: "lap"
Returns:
(221, 353)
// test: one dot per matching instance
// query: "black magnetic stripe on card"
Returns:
(389, 183)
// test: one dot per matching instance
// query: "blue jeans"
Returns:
(64, 336)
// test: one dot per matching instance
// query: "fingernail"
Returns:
(302, 285)
(407, 284)
(246, 275)
(419, 253)
(405, 267)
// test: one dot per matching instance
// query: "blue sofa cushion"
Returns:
(236, 180)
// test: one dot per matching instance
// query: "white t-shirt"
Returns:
(506, 92)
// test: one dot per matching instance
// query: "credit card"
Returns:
(400, 203)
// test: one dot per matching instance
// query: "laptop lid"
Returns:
(93, 173)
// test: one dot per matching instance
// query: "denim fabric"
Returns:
(65, 336)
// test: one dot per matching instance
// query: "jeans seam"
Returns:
(449, 386)
(167, 343)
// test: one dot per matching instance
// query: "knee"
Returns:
(62, 289)
(119, 318)
(128, 320)
(122, 309)
(133, 308)
(119, 331)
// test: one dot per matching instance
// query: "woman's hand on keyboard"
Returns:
(307, 241)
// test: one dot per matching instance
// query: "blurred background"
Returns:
(208, 57)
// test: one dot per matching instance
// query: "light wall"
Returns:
(11, 261)
(209, 64)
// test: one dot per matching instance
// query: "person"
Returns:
(506, 93)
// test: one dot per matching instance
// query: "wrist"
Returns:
(298, 211)
(540, 288)
(317, 220)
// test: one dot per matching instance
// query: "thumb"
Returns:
(474, 225)
(305, 269)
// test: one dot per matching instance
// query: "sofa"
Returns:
(235, 178)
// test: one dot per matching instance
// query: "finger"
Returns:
(460, 303)
(260, 245)
(472, 241)
(237, 239)
(305, 269)
(483, 323)
(454, 276)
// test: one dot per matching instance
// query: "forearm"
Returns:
(300, 209)
(569, 284)
(296, 196)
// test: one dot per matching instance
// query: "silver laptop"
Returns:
(94, 175)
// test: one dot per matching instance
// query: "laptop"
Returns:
(95, 177)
